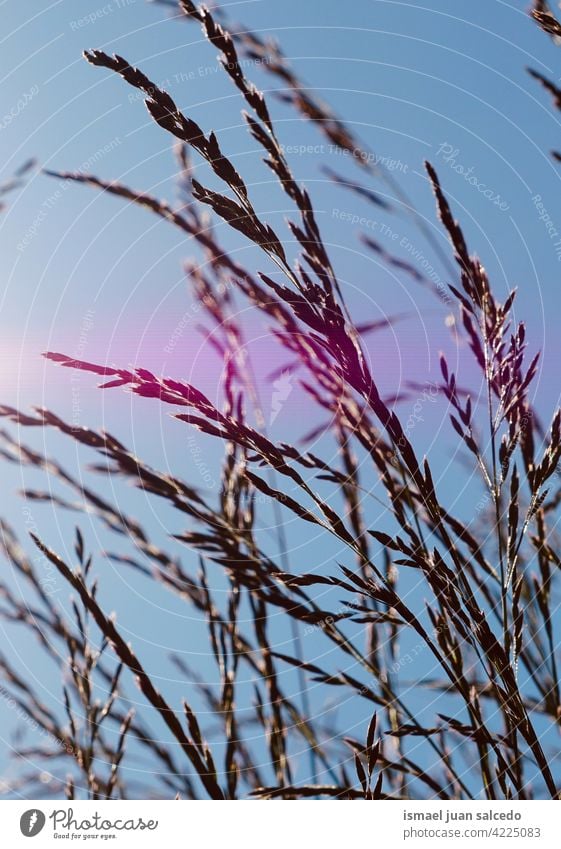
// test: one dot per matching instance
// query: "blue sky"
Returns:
(89, 275)
(408, 78)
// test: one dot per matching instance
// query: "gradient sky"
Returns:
(94, 277)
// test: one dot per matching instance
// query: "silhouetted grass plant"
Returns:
(488, 621)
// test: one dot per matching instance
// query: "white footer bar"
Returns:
(269, 825)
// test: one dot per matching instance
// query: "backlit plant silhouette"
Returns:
(481, 611)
